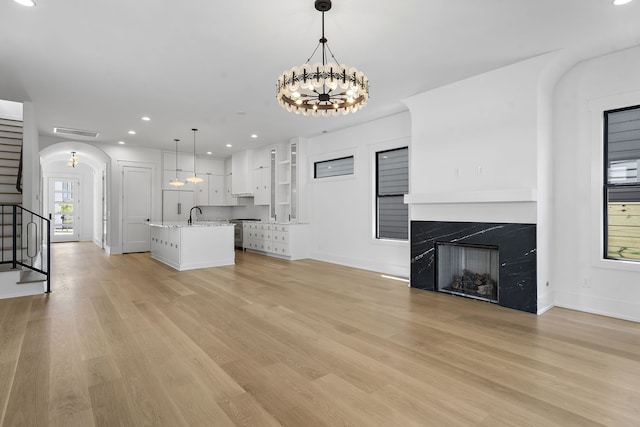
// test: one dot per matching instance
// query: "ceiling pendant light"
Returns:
(73, 161)
(195, 178)
(176, 182)
(322, 89)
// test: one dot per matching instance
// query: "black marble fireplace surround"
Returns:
(516, 243)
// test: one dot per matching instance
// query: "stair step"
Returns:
(10, 122)
(11, 143)
(10, 134)
(9, 162)
(30, 276)
(8, 179)
(11, 199)
(10, 155)
(10, 150)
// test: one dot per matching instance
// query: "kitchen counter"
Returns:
(185, 246)
(171, 224)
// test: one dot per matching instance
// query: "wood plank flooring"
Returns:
(126, 341)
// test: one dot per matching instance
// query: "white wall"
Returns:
(593, 86)
(484, 138)
(341, 210)
(11, 110)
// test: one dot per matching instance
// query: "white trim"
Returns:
(490, 196)
(347, 152)
(374, 149)
(596, 108)
(121, 164)
(545, 309)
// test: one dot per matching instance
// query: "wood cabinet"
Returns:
(282, 240)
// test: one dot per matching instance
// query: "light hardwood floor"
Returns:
(127, 341)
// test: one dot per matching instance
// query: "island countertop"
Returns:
(179, 224)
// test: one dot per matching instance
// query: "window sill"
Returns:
(616, 264)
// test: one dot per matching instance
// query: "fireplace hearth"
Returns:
(468, 270)
(509, 248)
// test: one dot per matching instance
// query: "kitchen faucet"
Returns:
(191, 210)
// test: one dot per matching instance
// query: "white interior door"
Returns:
(136, 209)
(64, 208)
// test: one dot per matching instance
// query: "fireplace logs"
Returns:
(480, 285)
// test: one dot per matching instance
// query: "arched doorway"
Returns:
(75, 196)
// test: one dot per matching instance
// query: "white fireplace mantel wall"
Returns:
(481, 151)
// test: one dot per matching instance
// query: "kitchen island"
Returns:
(186, 246)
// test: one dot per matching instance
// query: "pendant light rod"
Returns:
(195, 178)
(176, 182)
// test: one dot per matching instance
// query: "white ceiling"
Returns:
(102, 65)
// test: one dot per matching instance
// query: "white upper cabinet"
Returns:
(214, 166)
(185, 161)
(242, 177)
(229, 199)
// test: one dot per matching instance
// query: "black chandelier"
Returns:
(325, 88)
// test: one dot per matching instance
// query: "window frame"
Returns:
(607, 186)
(377, 196)
(353, 167)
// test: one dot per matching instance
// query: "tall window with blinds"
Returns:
(392, 183)
(622, 184)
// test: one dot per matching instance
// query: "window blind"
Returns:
(392, 183)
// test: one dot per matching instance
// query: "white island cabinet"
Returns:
(187, 247)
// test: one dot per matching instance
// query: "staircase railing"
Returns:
(26, 240)
(19, 177)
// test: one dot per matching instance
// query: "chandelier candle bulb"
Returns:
(322, 89)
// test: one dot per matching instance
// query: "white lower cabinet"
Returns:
(282, 240)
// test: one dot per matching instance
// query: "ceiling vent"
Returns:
(76, 132)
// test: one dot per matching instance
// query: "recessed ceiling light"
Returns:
(28, 3)
(209, 153)
(229, 145)
(146, 119)
(132, 132)
(621, 2)
(121, 142)
(254, 136)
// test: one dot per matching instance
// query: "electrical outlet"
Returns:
(480, 170)
(456, 171)
(586, 283)
(547, 283)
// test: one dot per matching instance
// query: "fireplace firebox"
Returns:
(468, 270)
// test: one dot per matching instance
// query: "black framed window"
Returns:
(392, 183)
(333, 167)
(622, 184)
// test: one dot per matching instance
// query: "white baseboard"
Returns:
(542, 310)
(595, 305)
(386, 268)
